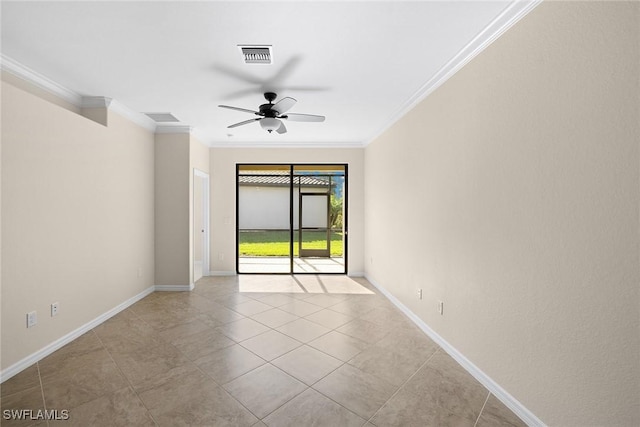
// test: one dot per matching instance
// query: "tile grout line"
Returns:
(332, 371)
(199, 308)
(44, 401)
(482, 409)
(224, 390)
(269, 362)
(401, 386)
(298, 394)
(221, 386)
(124, 376)
(199, 369)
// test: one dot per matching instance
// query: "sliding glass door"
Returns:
(291, 218)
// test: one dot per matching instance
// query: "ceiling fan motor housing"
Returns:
(270, 96)
(266, 110)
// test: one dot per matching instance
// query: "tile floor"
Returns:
(320, 351)
(320, 265)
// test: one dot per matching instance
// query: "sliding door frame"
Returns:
(292, 166)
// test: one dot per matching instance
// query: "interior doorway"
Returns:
(291, 218)
(200, 237)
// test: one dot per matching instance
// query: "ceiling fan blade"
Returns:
(242, 93)
(304, 88)
(284, 72)
(284, 105)
(293, 117)
(238, 109)
(282, 129)
(246, 122)
(237, 74)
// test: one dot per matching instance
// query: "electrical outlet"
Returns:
(54, 308)
(32, 319)
(419, 293)
(441, 308)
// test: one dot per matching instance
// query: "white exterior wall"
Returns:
(267, 208)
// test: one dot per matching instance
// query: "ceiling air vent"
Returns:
(162, 117)
(256, 54)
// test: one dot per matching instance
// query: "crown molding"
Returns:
(38, 80)
(14, 67)
(95, 102)
(138, 118)
(505, 20)
(177, 128)
(284, 144)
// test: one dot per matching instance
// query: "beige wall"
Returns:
(176, 156)
(28, 87)
(172, 209)
(198, 155)
(223, 196)
(511, 194)
(77, 219)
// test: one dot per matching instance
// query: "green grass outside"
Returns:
(276, 242)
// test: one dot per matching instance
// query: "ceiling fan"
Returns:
(271, 115)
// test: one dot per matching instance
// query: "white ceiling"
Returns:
(361, 64)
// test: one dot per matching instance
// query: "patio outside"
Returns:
(273, 198)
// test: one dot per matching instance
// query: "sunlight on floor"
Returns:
(283, 265)
(315, 284)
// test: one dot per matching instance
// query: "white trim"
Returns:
(505, 20)
(117, 107)
(13, 67)
(197, 266)
(222, 273)
(60, 342)
(165, 128)
(206, 218)
(518, 408)
(285, 144)
(135, 117)
(174, 288)
(95, 102)
(356, 274)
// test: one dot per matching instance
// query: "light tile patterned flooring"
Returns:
(255, 351)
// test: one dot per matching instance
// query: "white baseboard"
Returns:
(511, 402)
(356, 274)
(222, 273)
(19, 366)
(174, 288)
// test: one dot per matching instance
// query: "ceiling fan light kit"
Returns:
(270, 124)
(271, 114)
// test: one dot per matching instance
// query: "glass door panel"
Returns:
(319, 214)
(315, 240)
(263, 207)
(291, 218)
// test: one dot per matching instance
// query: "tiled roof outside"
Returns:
(282, 180)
